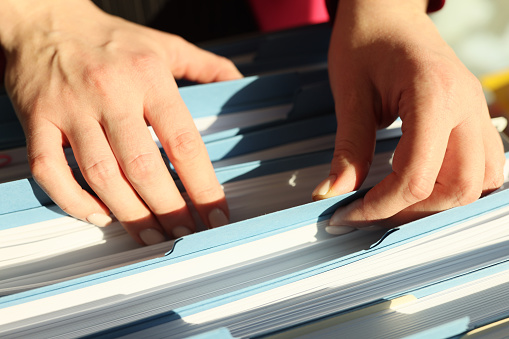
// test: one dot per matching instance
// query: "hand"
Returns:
(81, 78)
(386, 59)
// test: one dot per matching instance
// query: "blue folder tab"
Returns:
(21, 195)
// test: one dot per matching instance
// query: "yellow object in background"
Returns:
(498, 84)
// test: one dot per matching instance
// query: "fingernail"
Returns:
(338, 218)
(151, 236)
(337, 225)
(338, 230)
(180, 231)
(217, 218)
(341, 221)
(99, 219)
(324, 187)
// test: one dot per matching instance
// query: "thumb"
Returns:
(195, 64)
(354, 145)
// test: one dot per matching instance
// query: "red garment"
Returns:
(433, 6)
(273, 15)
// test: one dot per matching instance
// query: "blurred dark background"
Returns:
(194, 20)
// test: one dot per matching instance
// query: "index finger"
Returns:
(173, 124)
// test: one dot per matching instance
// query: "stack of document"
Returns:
(280, 274)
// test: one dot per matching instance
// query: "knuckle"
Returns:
(446, 81)
(497, 181)
(37, 109)
(101, 172)
(102, 80)
(97, 74)
(345, 150)
(493, 179)
(44, 173)
(142, 168)
(41, 166)
(227, 63)
(473, 84)
(174, 39)
(185, 146)
(474, 92)
(208, 194)
(146, 62)
(454, 84)
(418, 189)
(467, 193)
(69, 207)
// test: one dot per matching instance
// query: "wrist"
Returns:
(367, 19)
(22, 18)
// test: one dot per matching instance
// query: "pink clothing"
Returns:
(273, 15)
(435, 5)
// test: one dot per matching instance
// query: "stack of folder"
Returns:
(273, 272)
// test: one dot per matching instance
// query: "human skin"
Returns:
(79, 77)
(386, 59)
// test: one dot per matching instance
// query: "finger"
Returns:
(354, 145)
(144, 168)
(463, 175)
(51, 171)
(193, 63)
(416, 164)
(495, 158)
(104, 175)
(177, 132)
(460, 180)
